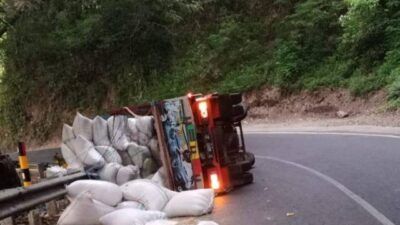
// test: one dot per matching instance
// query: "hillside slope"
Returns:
(62, 56)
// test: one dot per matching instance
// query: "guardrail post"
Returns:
(34, 217)
(7, 221)
(24, 164)
(51, 208)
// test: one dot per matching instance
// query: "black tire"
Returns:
(242, 179)
(8, 176)
(248, 162)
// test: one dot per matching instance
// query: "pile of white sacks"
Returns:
(120, 149)
(137, 202)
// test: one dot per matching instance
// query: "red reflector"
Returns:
(214, 181)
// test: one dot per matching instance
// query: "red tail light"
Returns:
(203, 109)
(214, 181)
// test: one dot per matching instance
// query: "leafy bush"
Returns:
(61, 56)
(394, 89)
(360, 84)
(68, 55)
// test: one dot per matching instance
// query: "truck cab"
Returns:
(201, 140)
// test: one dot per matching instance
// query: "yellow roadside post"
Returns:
(24, 164)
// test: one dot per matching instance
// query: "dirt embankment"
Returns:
(325, 107)
(307, 108)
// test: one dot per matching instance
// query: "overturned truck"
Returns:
(190, 142)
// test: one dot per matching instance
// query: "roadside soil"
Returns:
(272, 109)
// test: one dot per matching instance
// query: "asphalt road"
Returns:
(40, 156)
(314, 179)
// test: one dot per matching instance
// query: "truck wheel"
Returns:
(8, 176)
(248, 162)
(243, 179)
(248, 178)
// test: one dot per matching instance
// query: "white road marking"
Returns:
(325, 133)
(368, 207)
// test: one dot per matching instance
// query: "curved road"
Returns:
(317, 179)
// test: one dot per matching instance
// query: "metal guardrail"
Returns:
(17, 200)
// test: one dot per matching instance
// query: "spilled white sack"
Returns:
(138, 154)
(143, 139)
(83, 126)
(117, 128)
(160, 177)
(105, 192)
(109, 154)
(100, 132)
(84, 211)
(132, 130)
(207, 223)
(85, 152)
(155, 151)
(149, 167)
(190, 203)
(130, 204)
(162, 222)
(145, 124)
(130, 216)
(151, 195)
(55, 171)
(109, 172)
(127, 173)
(70, 157)
(67, 133)
(126, 159)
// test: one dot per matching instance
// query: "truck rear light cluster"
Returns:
(214, 181)
(203, 109)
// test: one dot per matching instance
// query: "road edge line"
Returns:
(360, 201)
(326, 133)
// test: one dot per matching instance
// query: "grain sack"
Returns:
(151, 195)
(154, 150)
(149, 167)
(207, 223)
(138, 154)
(109, 154)
(67, 133)
(132, 129)
(126, 159)
(83, 126)
(160, 177)
(170, 194)
(190, 203)
(103, 191)
(145, 124)
(131, 217)
(162, 222)
(117, 128)
(70, 157)
(55, 171)
(109, 172)
(127, 173)
(143, 139)
(84, 211)
(100, 132)
(130, 204)
(86, 153)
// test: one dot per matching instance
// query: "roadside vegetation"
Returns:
(60, 56)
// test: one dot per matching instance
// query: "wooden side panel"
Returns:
(162, 145)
